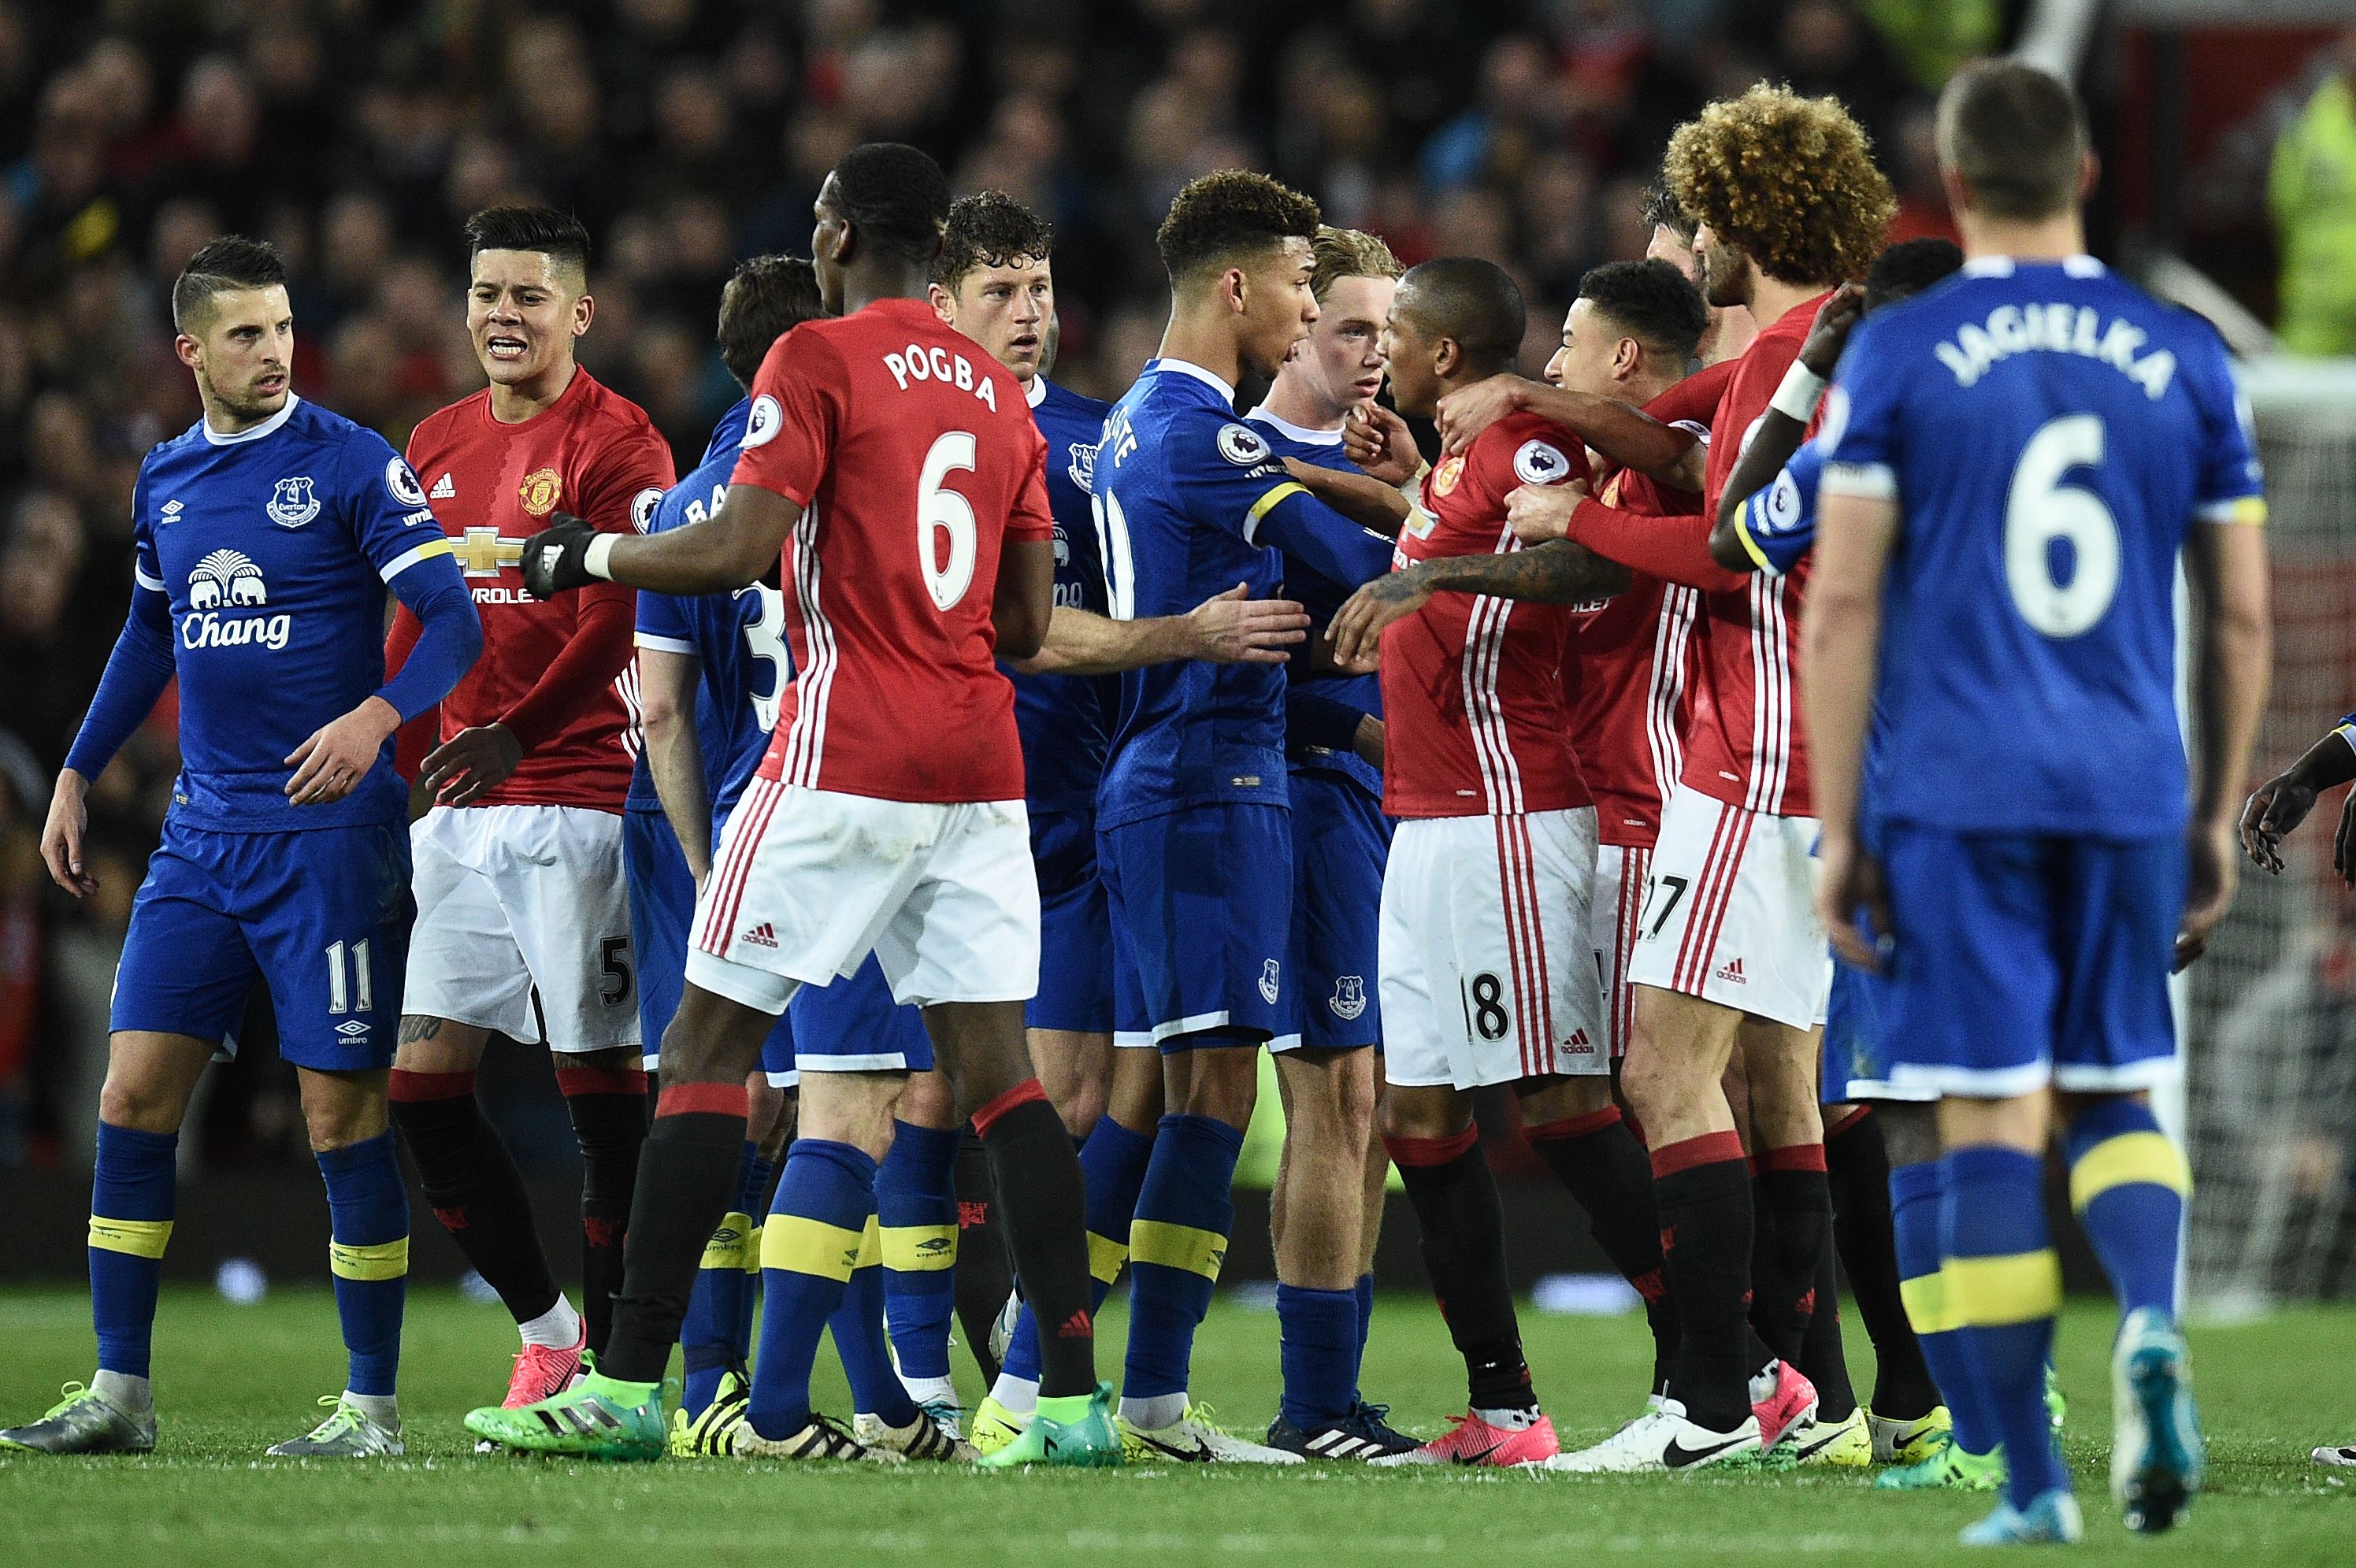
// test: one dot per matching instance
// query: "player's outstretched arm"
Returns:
(725, 551)
(448, 637)
(667, 686)
(1025, 603)
(2225, 563)
(1559, 572)
(2278, 806)
(1365, 501)
(1627, 435)
(1675, 548)
(1226, 628)
(1840, 644)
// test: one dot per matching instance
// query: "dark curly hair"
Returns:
(1909, 267)
(1655, 303)
(1661, 211)
(765, 298)
(1224, 217)
(1788, 180)
(988, 228)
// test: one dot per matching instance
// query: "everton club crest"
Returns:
(292, 503)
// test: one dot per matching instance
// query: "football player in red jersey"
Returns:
(896, 466)
(523, 925)
(1484, 941)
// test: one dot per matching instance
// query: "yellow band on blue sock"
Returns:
(803, 1245)
(752, 1249)
(2129, 1157)
(919, 1249)
(378, 1260)
(725, 1249)
(871, 1244)
(1104, 1257)
(1927, 1307)
(1991, 1291)
(140, 1238)
(1177, 1246)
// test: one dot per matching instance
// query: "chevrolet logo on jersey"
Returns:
(483, 553)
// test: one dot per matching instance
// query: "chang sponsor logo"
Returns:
(228, 579)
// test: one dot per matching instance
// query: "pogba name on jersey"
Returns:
(931, 362)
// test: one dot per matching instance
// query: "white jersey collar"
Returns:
(1034, 392)
(1300, 434)
(265, 428)
(1188, 368)
(2004, 266)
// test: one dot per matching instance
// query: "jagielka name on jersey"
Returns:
(2079, 431)
(1065, 720)
(274, 546)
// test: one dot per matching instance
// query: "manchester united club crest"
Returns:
(540, 490)
(1444, 478)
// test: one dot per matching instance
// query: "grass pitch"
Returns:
(232, 1380)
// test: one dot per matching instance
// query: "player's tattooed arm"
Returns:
(1365, 501)
(1627, 435)
(731, 547)
(1559, 572)
(1226, 628)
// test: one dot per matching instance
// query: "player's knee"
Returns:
(1223, 1082)
(1909, 1131)
(1135, 1099)
(340, 1120)
(764, 1104)
(929, 1101)
(1560, 1099)
(142, 1102)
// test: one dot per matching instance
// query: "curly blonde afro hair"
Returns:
(1789, 180)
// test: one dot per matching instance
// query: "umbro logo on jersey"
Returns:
(762, 935)
(170, 514)
(1267, 983)
(443, 489)
(1731, 973)
(293, 502)
(351, 1029)
(1349, 999)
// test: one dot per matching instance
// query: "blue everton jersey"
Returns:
(1320, 596)
(2050, 435)
(1778, 524)
(275, 546)
(1181, 487)
(741, 639)
(1064, 717)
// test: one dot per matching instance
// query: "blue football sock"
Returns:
(2005, 1285)
(1176, 1243)
(131, 1206)
(368, 1208)
(1112, 1164)
(1318, 1340)
(1365, 1294)
(708, 1334)
(810, 1246)
(1922, 1282)
(2128, 1183)
(915, 1205)
(753, 1199)
(857, 1326)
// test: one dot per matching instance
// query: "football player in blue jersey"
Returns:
(2015, 461)
(709, 674)
(1341, 839)
(1193, 820)
(264, 538)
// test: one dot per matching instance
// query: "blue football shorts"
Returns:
(1074, 926)
(1341, 840)
(852, 1025)
(1201, 909)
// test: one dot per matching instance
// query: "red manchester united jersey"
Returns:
(912, 455)
(1745, 746)
(595, 454)
(1472, 698)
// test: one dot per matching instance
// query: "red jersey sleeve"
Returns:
(1692, 403)
(798, 405)
(619, 493)
(1030, 518)
(1523, 450)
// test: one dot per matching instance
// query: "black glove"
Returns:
(556, 558)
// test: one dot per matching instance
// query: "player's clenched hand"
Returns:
(459, 770)
(331, 763)
(61, 835)
(2274, 809)
(1829, 335)
(1377, 441)
(2209, 890)
(1357, 629)
(1537, 513)
(1232, 628)
(1468, 410)
(557, 557)
(1848, 883)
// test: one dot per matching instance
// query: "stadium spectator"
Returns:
(2312, 191)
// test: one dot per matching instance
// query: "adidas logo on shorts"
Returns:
(762, 935)
(1731, 973)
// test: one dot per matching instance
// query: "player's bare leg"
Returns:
(471, 1181)
(1431, 1136)
(1075, 1069)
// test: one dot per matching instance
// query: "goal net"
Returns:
(2269, 1015)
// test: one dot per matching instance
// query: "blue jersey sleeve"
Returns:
(1859, 434)
(1778, 524)
(385, 508)
(141, 665)
(1225, 474)
(2232, 482)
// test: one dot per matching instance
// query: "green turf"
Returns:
(233, 1380)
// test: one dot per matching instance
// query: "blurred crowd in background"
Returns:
(357, 135)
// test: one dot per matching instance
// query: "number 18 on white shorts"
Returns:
(1488, 974)
(807, 882)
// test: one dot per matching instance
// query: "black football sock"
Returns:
(687, 1171)
(1462, 1222)
(472, 1183)
(1858, 1163)
(1036, 1174)
(609, 1122)
(1772, 1320)
(1603, 1166)
(1801, 1197)
(1824, 1359)
(1703, 1187)
(985, 1270)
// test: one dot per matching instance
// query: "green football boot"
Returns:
(1948, 1465)
(597, 1418)
(1091, 1440)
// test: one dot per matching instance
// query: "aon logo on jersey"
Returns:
(917, 363)
(229, 578)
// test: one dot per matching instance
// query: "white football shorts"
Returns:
(1730, 913)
